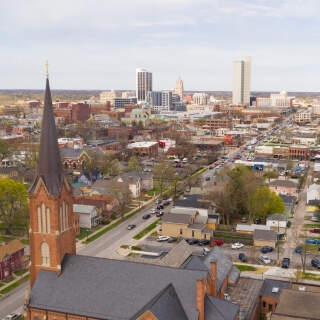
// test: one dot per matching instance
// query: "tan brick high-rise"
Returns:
(51, 215)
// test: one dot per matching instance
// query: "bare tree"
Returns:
(162, 173)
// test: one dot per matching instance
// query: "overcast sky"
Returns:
(98, 44)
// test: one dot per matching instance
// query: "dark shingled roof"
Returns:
(217, 309)
(269, 286)
(49, 166)
(116, 290)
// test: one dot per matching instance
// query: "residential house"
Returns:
(134, 183)
(313, 192)
(284, 187)
(263, 238)
(144, 149)
(289, 204)
(249, 229)
(88, 215)
(187, 224)
(277, 222)
(11, 258)
(74, 159)
(146, 178)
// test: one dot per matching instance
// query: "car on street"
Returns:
(315, 263)
(166, 203)
(158, 201)
(315, 219)
(315, 230)
(265, 259)
(159, 214)
(172, 239)
(170, 199)
(211, 167)
(153, 210)
(266, 249)
(207, 178)
(13, 316)
(192, 241)
(203, 242)
(160, 206)
(313, 241)
(131, 226)
(162, 238)
(242, 257)
(288, 224)
(237, 245)
(146, 216)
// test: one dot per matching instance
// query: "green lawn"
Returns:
(146, 230)
(245, 268)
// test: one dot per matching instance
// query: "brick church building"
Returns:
(64, 285)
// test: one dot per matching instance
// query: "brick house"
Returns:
(74, 158)
(144, 149)
(299, 152)
(270, 294)
(11, 258)
(281, 153)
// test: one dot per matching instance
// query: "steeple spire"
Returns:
(49, 166)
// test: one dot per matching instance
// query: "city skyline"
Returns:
(98, 45)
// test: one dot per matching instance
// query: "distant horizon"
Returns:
(100, 44)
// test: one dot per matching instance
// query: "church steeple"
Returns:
(51, 233)
(49, 166)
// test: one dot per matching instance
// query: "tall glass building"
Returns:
(143, 84)
(241, 81)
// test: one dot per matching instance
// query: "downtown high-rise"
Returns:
(143, 84)
(241, 81)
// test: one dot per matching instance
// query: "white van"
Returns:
(176, 160)
(185, 160)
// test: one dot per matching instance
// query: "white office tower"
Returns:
(143, 84)
(241, 81)
(179, 88)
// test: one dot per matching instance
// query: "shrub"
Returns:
(135, 248)
(105, 222)
(113, 216)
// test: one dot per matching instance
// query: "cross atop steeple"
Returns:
(47, 68)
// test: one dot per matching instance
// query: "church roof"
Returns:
(49, 166)
(125, 290)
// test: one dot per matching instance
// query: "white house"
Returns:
(313, 192)
(88, 215)
(277, 221)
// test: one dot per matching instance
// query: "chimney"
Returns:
(213, 276)
(200, 298)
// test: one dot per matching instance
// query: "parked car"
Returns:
(266, 249)
(315, 263)
(313, 241)
(131, 226)
(237, 245)
(243, 257)
(193, 241)
(170, 200)
(160, 206)
(166, 203)
(205, 251)
(243, 219)
(288, 224)
(158, 201)
(285, 263)
(13, 316)
(162, 238)
(172, 239)
(203, 242)
(298, 250)
(265, 259)
(211, 167)
(146, 216)
(207, 178)
(159, 214)
(315, 230)
(216, 242)
(153, 210)
(257, 221)
(315, 219)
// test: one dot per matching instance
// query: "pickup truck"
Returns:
(285, 263)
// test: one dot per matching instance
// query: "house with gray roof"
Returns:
(88, 215)
(263, 238)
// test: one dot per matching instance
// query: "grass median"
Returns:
(146, 230)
